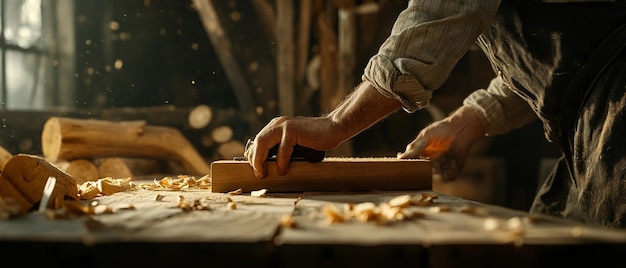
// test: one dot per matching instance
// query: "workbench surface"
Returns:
(449, 232)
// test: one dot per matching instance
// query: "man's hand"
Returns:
(361, 109)
(447, 142)
(312, 132)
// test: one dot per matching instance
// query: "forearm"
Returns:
(469, 125)
(361, 109)
(426, 42)
(500, 109)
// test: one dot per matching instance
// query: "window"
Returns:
(36, 54)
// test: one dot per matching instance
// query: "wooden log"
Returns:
(200, 116)
(25, 176)
(114, 167)
(82, 170)
(122, 167)
(68, 138)
(5, 156)
(332, 174)
(230, 149)
(222, 134)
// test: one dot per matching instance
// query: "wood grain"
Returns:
(332, 174)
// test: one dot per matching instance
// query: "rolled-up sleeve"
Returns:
(500, 109)
(426, 41)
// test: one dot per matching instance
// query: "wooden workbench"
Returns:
(159, 233)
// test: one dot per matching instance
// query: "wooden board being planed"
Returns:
(332, 174)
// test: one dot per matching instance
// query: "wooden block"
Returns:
(332, 174)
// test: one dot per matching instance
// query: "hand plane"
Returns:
(300, 153)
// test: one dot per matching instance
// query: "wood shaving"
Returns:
(424, 199)
(473, 210)
(88, 190)
(491, 224)
(196, 204)
(109, 186)
(72, 209)
(333, 214)
(9, 209)
(401, 201)
(396, 209)
(179, 183)
(439, 209)
(104, 186)
(258, 193)
(288, 221)
(159, 197)
(123, 206)
(232, 205)
(235, 192)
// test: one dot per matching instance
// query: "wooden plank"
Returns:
(332, 174)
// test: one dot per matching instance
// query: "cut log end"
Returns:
(82, 170)
(222, 134)
(200, 117)
(114, 167)
(51, 137)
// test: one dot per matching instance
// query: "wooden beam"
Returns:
(285, 56)
(264, 10)
(223, 47)
(304, 34)
(347, 47)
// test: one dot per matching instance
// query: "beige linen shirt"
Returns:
(426, 42)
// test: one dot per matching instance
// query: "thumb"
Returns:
(413, 150)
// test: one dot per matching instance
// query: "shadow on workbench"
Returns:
(257, 255)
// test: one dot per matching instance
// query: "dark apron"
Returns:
(568, 61)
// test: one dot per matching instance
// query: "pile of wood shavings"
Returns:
(9, 208)
(104, 186)
(385, 212)
(73, 209)
(181, 182)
